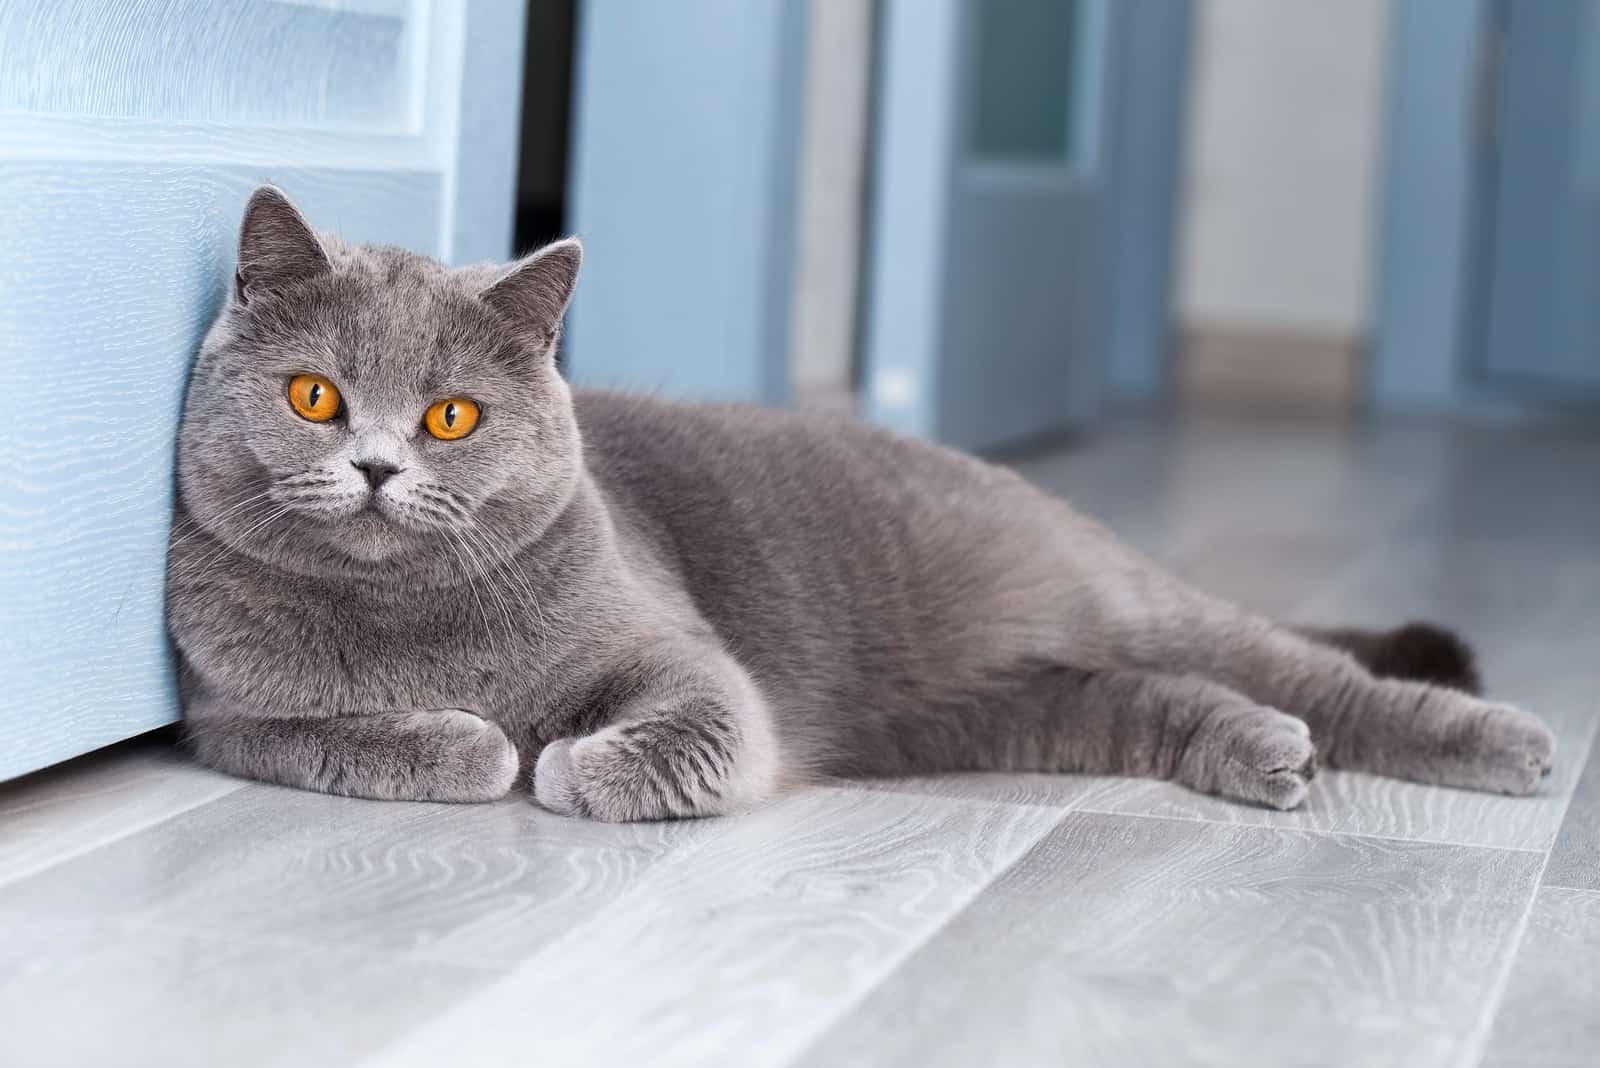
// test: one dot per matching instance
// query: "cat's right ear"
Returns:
(534, 292)
(277, 247)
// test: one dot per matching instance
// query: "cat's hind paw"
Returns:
(1500, 748)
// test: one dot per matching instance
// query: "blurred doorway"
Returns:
(1020, 221)
(989, 305)
(1543, 328)
(987, 189)
(1490, 291)
(541, 211)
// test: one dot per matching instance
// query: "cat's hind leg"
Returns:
(1045, 716)
(1395, 727)
(687, 734)
(1419, 651)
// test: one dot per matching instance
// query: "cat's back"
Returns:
(807, 538)
(679, 459)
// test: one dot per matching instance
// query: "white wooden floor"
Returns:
(155, 913)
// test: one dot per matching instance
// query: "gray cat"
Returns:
(409, 562)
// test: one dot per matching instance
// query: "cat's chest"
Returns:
(289, 649)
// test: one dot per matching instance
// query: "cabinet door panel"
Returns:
(133, 132)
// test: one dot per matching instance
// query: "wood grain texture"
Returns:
(70, 810)
(739, 950)
(103, 331)
(1159, 942)
(1550, 1014)
(484, 885)
(89, 992)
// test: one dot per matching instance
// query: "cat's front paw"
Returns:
(461, 757)
(620, 775)
(555, 780)
(594, 778)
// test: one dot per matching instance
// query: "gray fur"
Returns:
(667, 610)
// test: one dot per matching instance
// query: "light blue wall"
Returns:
(1432, 192)
(122, 177)
(687, 124)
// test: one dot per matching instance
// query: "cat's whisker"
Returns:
(505, 611)
(509, 562)
(308, 478)
(460, 550)
(313, 503)
(210, 531)
(441, 499)
(199, 570)
(271, 552)
(194, 525)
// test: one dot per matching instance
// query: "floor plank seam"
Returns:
(887, 786)
(892, 965)
(1478, 1045)
(1319, 831)
(1478, 1049)
(9, 877)
(1586, 890)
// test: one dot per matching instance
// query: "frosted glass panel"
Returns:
(1022, 86)
(310, 63)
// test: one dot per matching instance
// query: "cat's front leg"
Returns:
(444, 755)
(693, 737)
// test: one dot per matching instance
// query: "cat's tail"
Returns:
(1422, 652)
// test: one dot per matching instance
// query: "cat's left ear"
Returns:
(534, 292)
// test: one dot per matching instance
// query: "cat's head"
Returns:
(364, 411)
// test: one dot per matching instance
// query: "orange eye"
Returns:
(451, 419)
(314, 397)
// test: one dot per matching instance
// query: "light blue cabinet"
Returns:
(130, 136)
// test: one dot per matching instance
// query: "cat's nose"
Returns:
(377, 472)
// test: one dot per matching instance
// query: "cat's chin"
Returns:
(369, 538)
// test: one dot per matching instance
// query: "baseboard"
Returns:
(1252, 366)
